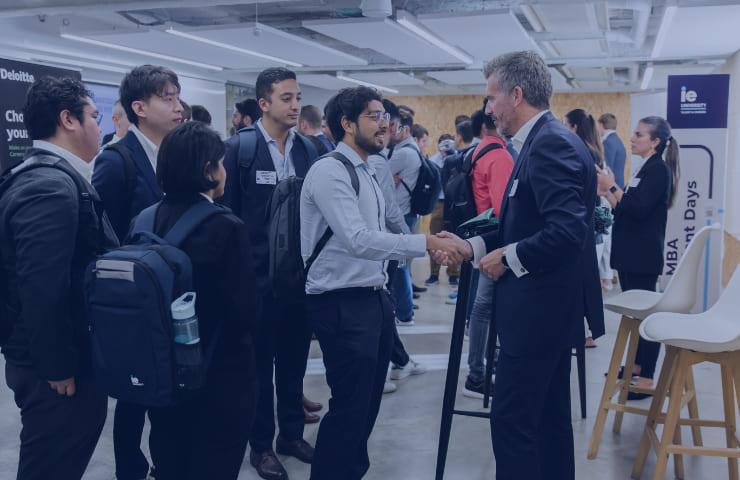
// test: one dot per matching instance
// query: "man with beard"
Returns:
(346, 304)
(256, 160)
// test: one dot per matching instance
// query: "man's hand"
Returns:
(492, 266)
(605, 178)
(449, 249)
(64, 387)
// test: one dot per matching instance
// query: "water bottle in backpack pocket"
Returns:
(189, 367)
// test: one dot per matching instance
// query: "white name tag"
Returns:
(514, 186)
(634, 182)
(266, 177)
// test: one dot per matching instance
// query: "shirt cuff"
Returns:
(513, 260)
(479, 249)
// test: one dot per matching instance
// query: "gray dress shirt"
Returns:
(355, 254)
(405, 163)
(393, 217)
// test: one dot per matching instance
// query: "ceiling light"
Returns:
(408, 21)
(646, 77)
(67, 53)
(141, 52)
(665, 25)
(78, 63)
(234, 48)
(367, 84)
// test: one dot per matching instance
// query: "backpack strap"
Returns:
(488, 148)
(129, 168)
(247, 147)
(195, 215)
(311, 150)
(421, 158)
(355, 180)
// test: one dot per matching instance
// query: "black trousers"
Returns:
(281, 344)
(59, 433)
(531, 420)
(399, 355)
(647, 351)
(128, 426)
(355, 330)
(206, 436)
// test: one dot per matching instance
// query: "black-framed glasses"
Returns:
(378, 117)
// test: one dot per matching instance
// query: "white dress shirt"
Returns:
(479, 246)
(283, 162)
(150, 148)
(80, 166)
(607, 133)
(355, 255)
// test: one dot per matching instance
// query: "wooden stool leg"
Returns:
(674, 411)
(728, 401)
(656, 406)
(609, 387)
(677, 457)
(629, 366)
(693, 408)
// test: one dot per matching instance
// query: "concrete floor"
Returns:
(404, 442)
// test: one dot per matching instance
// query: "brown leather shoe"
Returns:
(309, 417)
(267, 465)
(299, 449)
(311, 406)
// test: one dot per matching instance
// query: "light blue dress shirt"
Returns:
(283, 163)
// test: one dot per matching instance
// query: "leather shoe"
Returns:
(299, 449)
(311, 406)
(267, 465)
(309, 417)
(416, 289)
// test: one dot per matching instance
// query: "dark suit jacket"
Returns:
(550, 215)
(49, 236)
(640, 219)
(248, 200)
(321, 147)
(223, 276)
(109, 179)
(615, 156)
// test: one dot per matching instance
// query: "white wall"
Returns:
(732, 199)
(211, 95)
(645, 105)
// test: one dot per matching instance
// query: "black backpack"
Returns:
(428, 186)
(459, 199)
(287, 271)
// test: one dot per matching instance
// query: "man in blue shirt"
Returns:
(614, 152)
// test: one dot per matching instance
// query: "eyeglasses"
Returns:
(378, 116)
(170, 97)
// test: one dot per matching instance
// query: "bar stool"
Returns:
(635, 306)
(712, 336)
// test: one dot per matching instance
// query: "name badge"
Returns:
(266, 177)
(634, 182)
(514, 186)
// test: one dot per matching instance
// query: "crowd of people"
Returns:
(360, 161)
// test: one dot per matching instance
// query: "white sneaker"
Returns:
(408, 323)
(389, 387)
(411, 368)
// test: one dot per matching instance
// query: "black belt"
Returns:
(353, 290)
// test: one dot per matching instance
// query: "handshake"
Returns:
(448, 249)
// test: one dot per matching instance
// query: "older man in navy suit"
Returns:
(543, 260)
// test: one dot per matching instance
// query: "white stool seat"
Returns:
(633, 303)
(716, 330)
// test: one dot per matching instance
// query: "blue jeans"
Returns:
(480, 320)
(402, 292)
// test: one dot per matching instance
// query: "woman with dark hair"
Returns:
(583, 124)
(205, 435)
(640, 218)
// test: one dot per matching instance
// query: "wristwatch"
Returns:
(613, 189)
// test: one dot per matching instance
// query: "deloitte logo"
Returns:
(13, 76)
(689, 103)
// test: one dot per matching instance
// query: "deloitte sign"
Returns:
(15, 78)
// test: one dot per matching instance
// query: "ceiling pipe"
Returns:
(638, 34)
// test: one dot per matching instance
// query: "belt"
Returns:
(353, 290)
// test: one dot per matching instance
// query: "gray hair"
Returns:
(525, 69)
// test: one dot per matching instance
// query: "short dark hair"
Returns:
(141, 83)
(461, 118)
(184, 157)
(407, 109)
(391, 109)
(406, 119)
(445, 136)
(418, 131)
(47, 98)
(201, 114)
(269, 77)
(350, 103)
(478, 120)
(249, 108)
(312, 115)
(187, 111)
(465, 130)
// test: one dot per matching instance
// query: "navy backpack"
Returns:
(128, 294)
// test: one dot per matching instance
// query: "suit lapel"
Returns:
(141, 160)
(521, 158)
